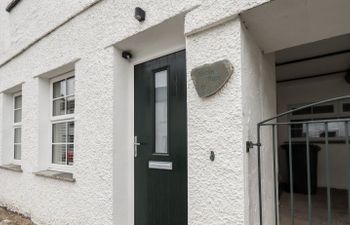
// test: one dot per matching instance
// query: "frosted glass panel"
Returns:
(161, 111)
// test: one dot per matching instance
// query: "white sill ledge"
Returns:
(57, 175)
(12, 167)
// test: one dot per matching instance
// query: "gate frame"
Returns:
(267, 122)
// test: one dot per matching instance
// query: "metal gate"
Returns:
(274, 124)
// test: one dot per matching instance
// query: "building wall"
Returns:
(28, 20)
(216, 189)
(259, 103)
(305, 92)
(85, 43)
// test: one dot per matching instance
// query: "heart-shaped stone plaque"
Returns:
(210, 78)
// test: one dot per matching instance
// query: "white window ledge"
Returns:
(57, 175)
(12, 167)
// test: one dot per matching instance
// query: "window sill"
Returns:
(57, 175)
(12, 167)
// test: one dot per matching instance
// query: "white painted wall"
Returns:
(216, 189)
(308, 91)
(259, 103)
(19, 25)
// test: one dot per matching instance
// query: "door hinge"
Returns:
(250, 145)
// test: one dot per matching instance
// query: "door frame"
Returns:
(123, 156)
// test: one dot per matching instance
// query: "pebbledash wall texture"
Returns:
(41, 39)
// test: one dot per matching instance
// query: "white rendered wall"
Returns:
(308, 91)
(259, 103)
(19, 27)
(216, 189)
(90, 199)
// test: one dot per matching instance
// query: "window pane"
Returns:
(70, 105)
(59, 89)
(305, 111)
(346, 107)
(323, 109)
(17, 135)
(59, 107)
(18, 116)
(316, 130)
(59, 153)
(18, 102)
(161, 111)
(17, 151)
(59, 133)
(70, 86)
(71, 132)
(70, 154)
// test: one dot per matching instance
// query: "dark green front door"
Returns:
(161, 141)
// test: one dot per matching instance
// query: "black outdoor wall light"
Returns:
(140, 14)
(126, 55)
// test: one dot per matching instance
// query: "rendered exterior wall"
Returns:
(259, 103)
(216, 189)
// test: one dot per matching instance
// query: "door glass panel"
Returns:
(161, 112)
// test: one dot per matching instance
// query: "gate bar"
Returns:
(274, 172)
(348, 147)
(259, 176)
(291, 175)
(328, 177)
(308, 174)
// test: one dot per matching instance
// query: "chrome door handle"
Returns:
(136, 145)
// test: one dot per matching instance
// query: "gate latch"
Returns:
(250, 145)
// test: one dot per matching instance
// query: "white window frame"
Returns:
(16, 125)
(60, 119)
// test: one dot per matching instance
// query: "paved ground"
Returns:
(10, 218)
(339, 208)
